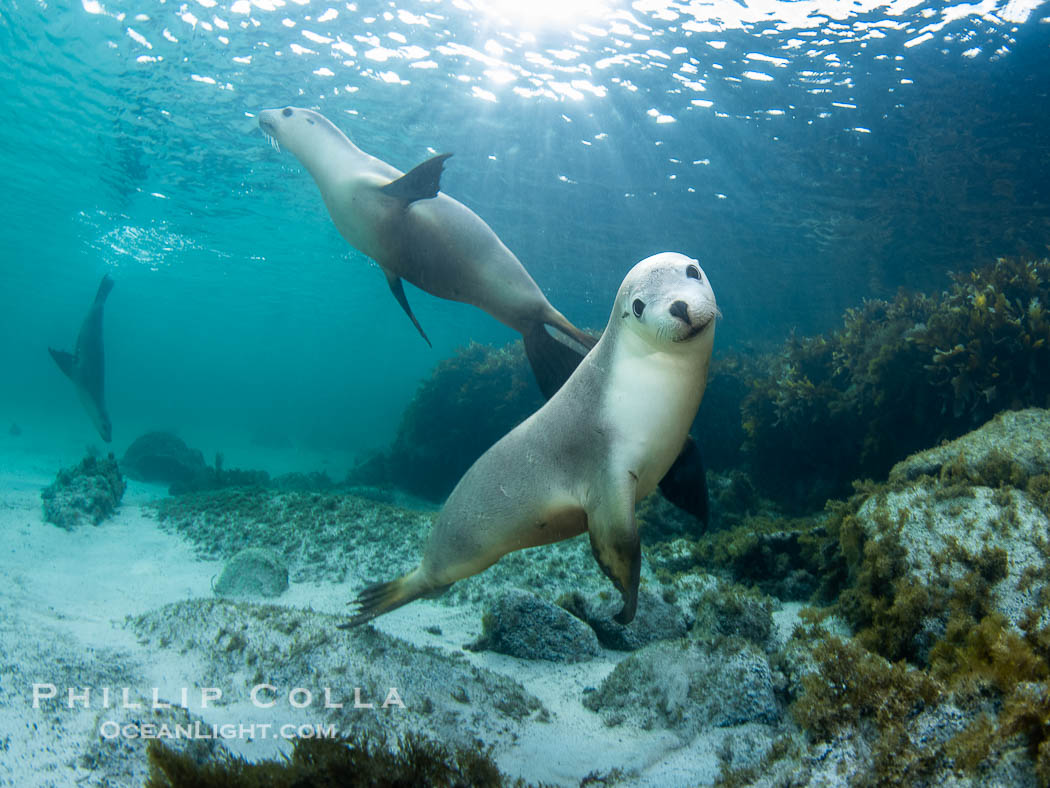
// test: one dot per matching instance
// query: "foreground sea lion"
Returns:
(416, 233)
(583, 460)
(86, 366)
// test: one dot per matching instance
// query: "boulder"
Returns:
(90, 492)
(688, 685)
(162, 457)
(254, 571)
(522, 625)
(656, 619)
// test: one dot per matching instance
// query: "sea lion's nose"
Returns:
(681, 310)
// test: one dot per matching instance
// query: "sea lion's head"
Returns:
(309, 135)
(667, 301)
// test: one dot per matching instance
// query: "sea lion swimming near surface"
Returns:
(415, 232)
(583, 460)
(86, 366)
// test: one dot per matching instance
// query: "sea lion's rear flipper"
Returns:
(398, 289)
(552, 361)
(380, 598)
(103, 289)
(616, 545)
(685, 483)
(421, 183)
(64, 360)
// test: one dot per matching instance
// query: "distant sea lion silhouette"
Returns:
(86, 366)
(414, 232)
(583, 460)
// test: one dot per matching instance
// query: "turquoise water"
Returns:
(809, 154)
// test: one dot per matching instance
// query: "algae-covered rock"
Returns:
(687, 685)
(162, 457)
(254, 571)
(734, 611)
(522, 625)
(1016, 437)
(90, 492)
(655, 619)
(927, 545)
(237, 646)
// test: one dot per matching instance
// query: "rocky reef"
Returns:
(900, 636)
(898, 377)
(928, 661)
(87, 493)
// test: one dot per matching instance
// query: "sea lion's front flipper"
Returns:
(64, 360)
(552, 361)
(685, 483)
(616, 545)
(422, 183)
(398, 290)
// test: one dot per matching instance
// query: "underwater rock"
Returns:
(239, 645)
(656, 619)
(735, 611)
(14, 430)
(254, 571)
(686, 685)
(971, 542)
(162, 457)
(522, 625)
(122, 760)
(1016, 437)
(89, 492)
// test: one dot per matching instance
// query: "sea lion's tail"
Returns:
(380, 598)
(103, 289)
(553, 361)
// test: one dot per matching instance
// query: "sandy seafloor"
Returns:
(65, 597)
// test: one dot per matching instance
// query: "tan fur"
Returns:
(583, 460)
(437, 244)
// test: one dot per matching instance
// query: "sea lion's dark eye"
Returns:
(638, 306)
(692, 272)
(311, 121)
(287, 112)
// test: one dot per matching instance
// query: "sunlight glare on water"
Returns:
(541, 13)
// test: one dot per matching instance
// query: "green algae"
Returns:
(897, 377)
(851, 685)
(340, 762)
